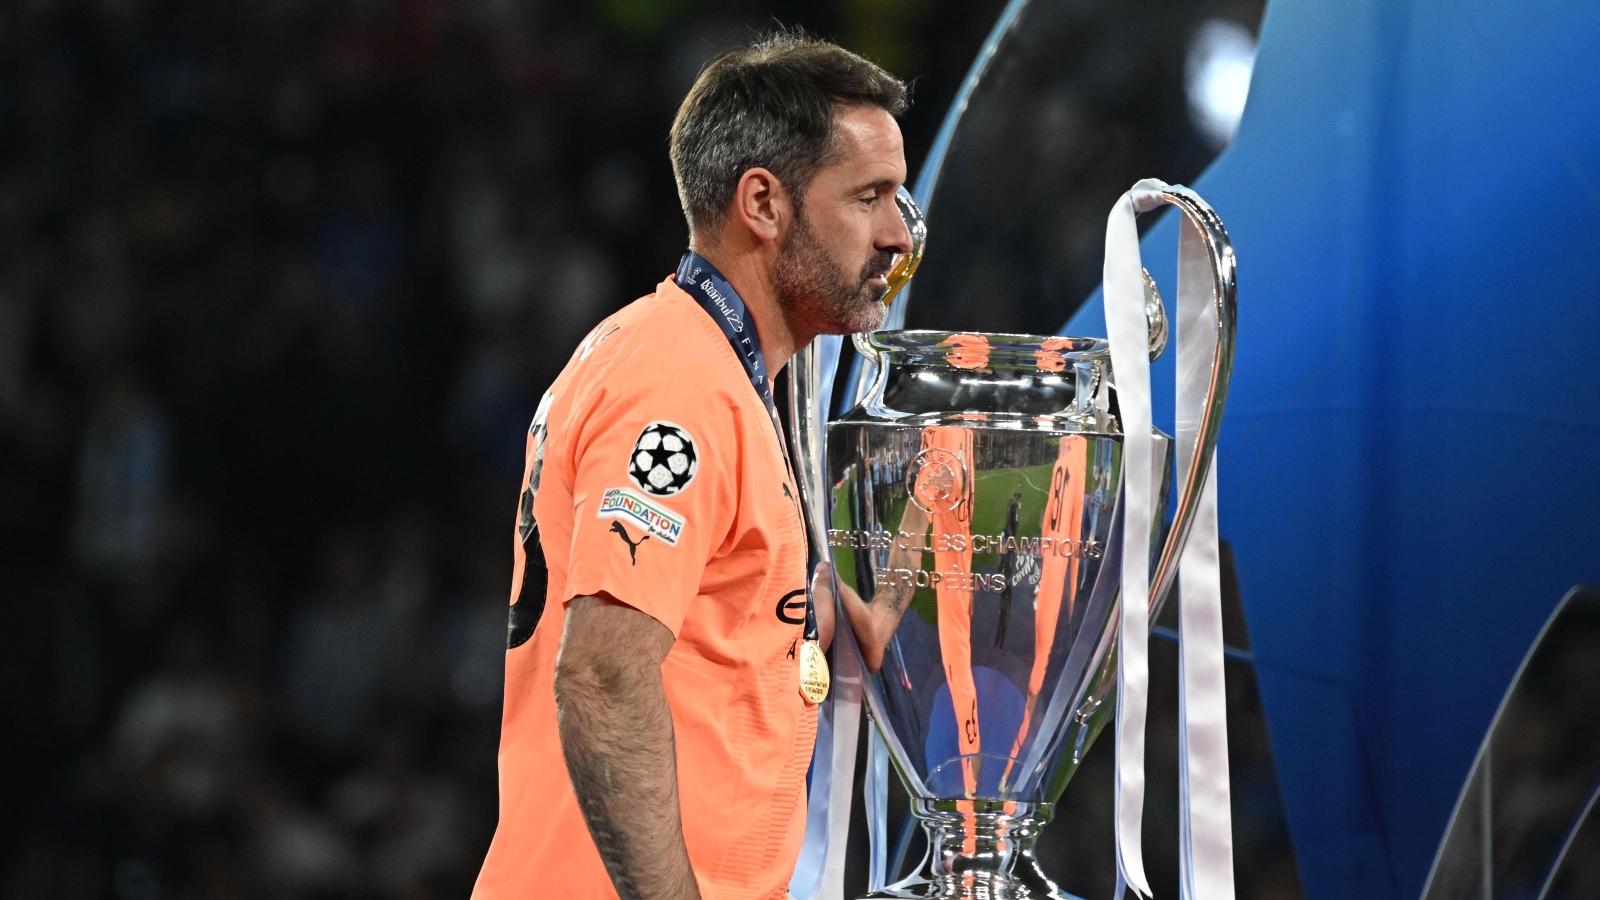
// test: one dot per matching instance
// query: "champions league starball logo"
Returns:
(937, 481)
(663, 460)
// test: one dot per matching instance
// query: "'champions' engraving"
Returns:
(960, 543)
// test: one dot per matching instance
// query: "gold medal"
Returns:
(813, 672)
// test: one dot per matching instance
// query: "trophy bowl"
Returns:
(976, 541)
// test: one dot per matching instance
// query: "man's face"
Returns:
(833, 259)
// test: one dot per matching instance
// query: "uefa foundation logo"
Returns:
(937, 481)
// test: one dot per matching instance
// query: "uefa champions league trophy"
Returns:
(973, 509)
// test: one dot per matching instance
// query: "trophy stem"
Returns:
(979, 849)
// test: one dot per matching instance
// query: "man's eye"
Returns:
(869, 199)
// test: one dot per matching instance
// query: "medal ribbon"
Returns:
(701, 280)
(1205, 826)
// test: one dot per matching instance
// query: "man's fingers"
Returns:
(822, 583)
(822, 599)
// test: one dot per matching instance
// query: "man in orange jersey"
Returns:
(655, 739)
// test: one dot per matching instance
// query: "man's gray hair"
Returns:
(770, 105)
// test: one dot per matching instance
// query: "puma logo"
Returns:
(633, 545)
(786, 491)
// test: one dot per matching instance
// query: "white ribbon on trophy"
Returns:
(819, 872)
(1205, 820)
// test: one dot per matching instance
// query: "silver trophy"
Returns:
(970, 506)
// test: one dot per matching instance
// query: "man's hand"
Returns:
(873, 622)
(616, 735)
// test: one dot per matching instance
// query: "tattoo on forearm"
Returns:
(616, 735)
(594, 785)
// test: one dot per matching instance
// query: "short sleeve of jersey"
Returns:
(653, 493)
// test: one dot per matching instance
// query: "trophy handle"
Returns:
(1155, 316)
(1219, 252)
(905, 264)
(807, 432)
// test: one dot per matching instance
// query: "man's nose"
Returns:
(894, 236)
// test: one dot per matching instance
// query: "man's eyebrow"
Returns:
(878, 184)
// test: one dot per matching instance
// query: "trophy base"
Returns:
(978, 849)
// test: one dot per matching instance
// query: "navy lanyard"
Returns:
(701, 280)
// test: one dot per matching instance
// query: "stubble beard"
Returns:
(820, 293)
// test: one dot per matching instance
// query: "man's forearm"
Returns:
(616, 735)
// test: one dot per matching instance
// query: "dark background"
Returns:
(280, 284)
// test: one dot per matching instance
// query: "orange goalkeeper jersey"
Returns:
(654, 476)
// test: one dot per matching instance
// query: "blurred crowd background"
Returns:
(280, 284)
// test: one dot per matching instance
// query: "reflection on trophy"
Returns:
(974, 526)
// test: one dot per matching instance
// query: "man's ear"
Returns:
(761, 203)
